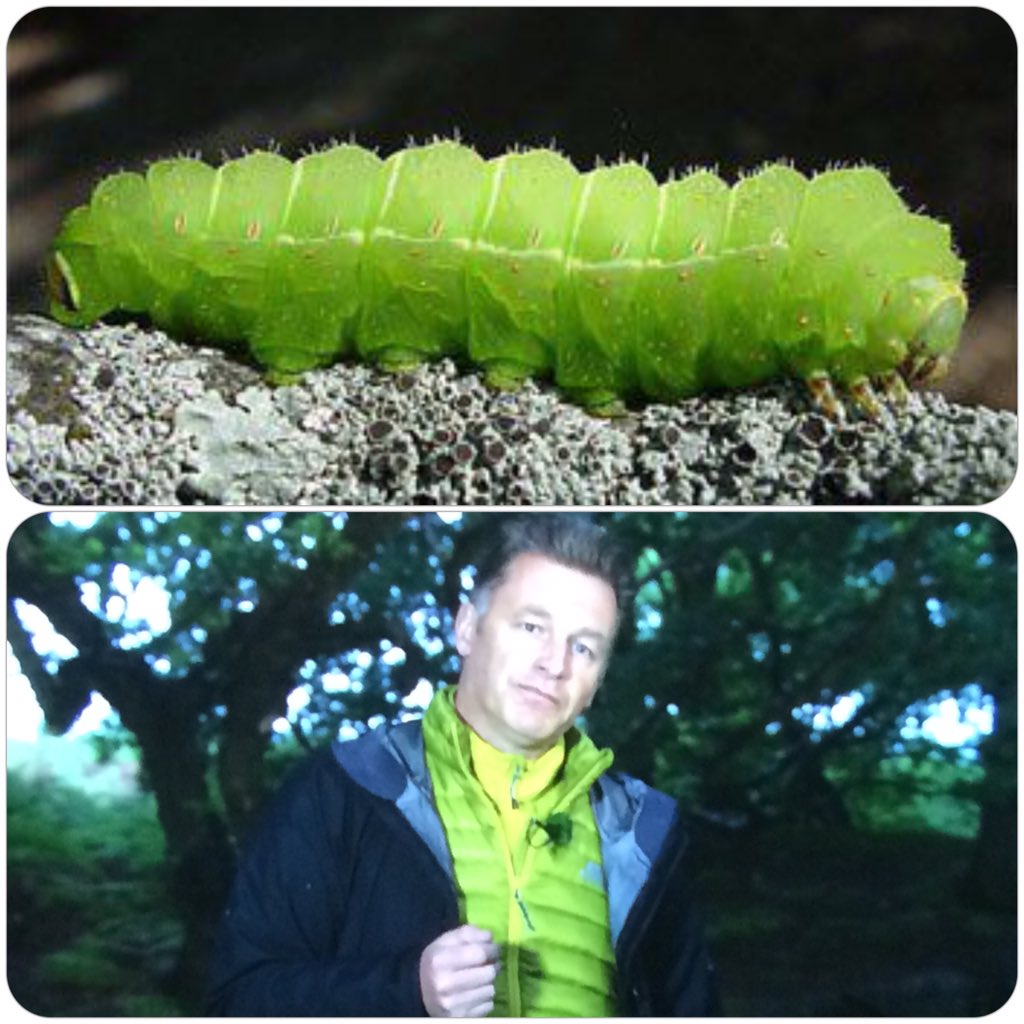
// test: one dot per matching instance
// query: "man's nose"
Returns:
(554, 656)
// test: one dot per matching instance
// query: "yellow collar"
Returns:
(511, 779)
(452, 744)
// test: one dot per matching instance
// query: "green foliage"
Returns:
(911, 794)
(87, 904)
(734, 577)
(734, 699)
(88, 965)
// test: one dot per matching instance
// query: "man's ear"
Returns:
(465, 627)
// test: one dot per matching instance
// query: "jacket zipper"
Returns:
(519, 915)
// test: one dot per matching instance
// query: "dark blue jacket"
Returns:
(349, 879)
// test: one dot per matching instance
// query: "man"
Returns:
(484, 860)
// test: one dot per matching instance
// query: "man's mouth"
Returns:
(538, 696)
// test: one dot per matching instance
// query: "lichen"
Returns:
(120, 415)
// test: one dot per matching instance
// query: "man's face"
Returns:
(533, 659)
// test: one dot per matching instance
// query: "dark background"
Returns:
(929, 94)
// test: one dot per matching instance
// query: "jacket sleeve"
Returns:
(282, 948)
(691, 986)
(675, 974)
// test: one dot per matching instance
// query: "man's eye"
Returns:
(587, 652)
(531, 627)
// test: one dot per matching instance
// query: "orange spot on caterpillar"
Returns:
(699, 245)
(803, 320)
(252, 231)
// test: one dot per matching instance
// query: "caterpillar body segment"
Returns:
(612, 284)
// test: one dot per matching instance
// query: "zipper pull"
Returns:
(522, 907)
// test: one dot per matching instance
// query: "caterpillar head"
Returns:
(917, 329)
(937, 309)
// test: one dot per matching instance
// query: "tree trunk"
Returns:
(200, 856)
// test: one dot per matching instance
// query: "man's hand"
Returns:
(457, 972)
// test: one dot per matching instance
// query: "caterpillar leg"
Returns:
(920, 369)
(894, 387)
(930, 370)
(824, 396)
(867, 401)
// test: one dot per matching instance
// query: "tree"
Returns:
(788, 648)
(763, 672)
(248, 606)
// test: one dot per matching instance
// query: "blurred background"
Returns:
(831, 696)
(927, 93)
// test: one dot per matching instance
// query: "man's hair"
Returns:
(568, 538)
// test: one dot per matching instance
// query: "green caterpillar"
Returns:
(605, 280)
